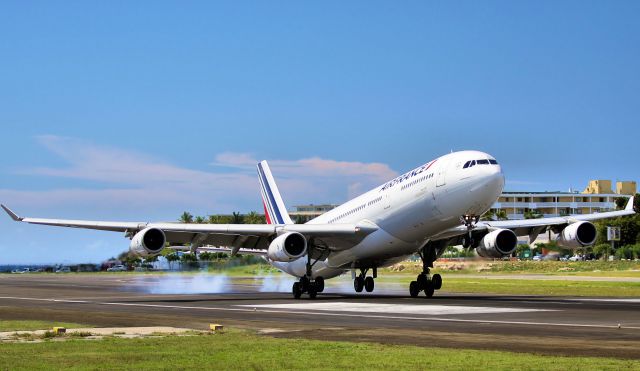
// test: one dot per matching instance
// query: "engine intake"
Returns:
(577, 235)
(148, 242)
(497, 244)
(287, 247)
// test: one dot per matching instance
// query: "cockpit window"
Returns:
(472, 163)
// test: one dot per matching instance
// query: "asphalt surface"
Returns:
(548, 325)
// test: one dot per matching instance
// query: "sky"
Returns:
(138, 111)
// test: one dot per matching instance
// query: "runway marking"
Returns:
(634, 301)
(431, 309)
(329, 314)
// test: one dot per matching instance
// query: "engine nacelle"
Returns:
(287, 247)
(148, 242)
(497, 244)
(577, 235)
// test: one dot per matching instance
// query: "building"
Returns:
(304, 213)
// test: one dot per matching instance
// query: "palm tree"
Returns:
(237, 218)
(186, 217)
(501, 215)
(489, 215)
(216, 219)
(254, 218)
(199, 219)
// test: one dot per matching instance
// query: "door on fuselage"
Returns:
(441, 173)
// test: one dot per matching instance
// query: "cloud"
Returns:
(133, 180)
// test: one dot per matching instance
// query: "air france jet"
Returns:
(422, 211)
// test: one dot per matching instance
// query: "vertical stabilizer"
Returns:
(274, 209)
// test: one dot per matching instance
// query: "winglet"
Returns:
(13, 215)
(629, 206)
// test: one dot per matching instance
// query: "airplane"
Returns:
(435, 205)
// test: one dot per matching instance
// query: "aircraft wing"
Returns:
(249, 236)
(533, 227)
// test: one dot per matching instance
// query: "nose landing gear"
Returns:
(470, 222)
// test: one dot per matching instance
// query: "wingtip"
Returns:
(13, 215)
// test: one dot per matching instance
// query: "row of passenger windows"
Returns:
(361, 207)
(421, 179)
(479, 162)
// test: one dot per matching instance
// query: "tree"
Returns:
(489, 215)
(218, 219)
(200, 219)
(501, 215)
(237, 218)
(533, 214)
(254, 218)
(186, 217)
(636, 203)
(621, 202)
(172, 257)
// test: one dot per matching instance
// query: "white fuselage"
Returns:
(409, 211)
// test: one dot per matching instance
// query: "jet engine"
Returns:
(287, 247)
(577, 235)
(148, 242)
(497, 244)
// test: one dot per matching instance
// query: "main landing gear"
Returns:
(426, 282)
(363, 282)
(312, 287)
(307, 283)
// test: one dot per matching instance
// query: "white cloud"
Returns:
(133, 180)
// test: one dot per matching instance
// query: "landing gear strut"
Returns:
(363, 282)
(426, 282)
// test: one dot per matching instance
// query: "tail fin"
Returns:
(274, 209)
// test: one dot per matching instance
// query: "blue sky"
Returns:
(139, 111)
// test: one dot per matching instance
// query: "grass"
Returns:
(582, 268)
(541, 287)
(242, 350)
(36, 325)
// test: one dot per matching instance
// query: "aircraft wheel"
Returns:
(436, 281)
(319, 284)
(369, 284)
(422, 281)
(296, 291)
(413, 289)
(304, 283)
(358, 284)
(312, 291)
(429, 290)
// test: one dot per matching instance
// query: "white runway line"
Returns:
(633, 301)
(430, 310)
(330, 314)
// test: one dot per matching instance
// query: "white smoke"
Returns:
(202, 283)
(278, 283)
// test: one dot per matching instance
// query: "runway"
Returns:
(554, 325)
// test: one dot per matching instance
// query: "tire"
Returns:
(304, 283)
(413, 289)
(436, 281)
(358, 284)
(296, 291)
(429, 290)
(369, 284)
(312, 291)
(422, 281)
(319, 284)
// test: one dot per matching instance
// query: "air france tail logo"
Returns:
(406, 176)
